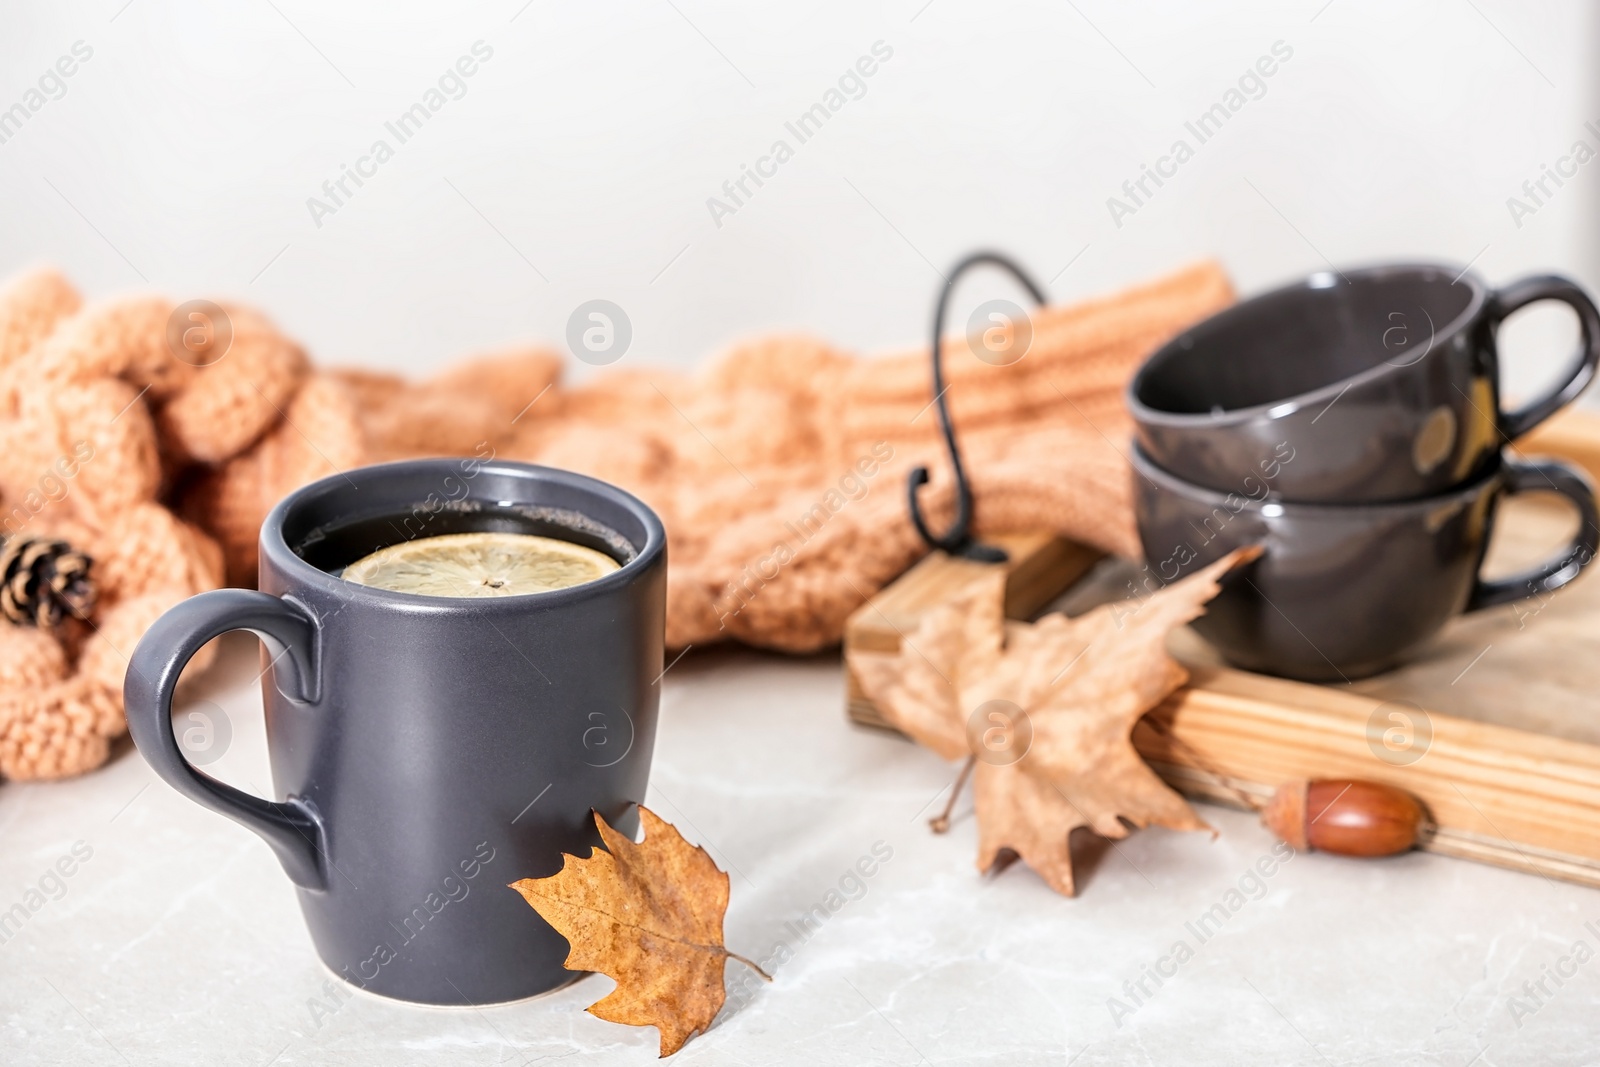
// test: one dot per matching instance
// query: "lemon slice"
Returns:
(480, 565)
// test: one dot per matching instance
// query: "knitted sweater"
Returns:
(779, 469)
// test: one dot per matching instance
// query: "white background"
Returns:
(182, 156)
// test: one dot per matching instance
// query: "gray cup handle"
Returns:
(1564, 566)
(293, 828)
(1579, 373)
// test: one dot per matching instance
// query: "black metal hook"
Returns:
(958, 539)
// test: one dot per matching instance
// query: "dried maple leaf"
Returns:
(648, 915)
(1077, 686)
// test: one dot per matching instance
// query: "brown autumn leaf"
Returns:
(1046, 710)
(649, 915)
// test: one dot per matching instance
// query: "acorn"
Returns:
(1346, 817)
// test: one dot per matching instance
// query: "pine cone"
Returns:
(42, 582)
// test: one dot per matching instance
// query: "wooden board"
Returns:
(1499, 721)
(1040, 567)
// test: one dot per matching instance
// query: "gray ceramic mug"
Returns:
(429, 751)
(1344, 591)
(1383, 384)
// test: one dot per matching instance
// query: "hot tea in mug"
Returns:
(466, 659)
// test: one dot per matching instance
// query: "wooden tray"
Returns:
(1496, 727)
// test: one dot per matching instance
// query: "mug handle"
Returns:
(1527, 291)
(293, 828)
(1565, 565)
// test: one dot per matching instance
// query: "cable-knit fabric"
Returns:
(779, 468)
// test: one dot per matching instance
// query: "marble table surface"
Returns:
(176, 939)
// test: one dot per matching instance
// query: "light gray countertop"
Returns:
(178, 939)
